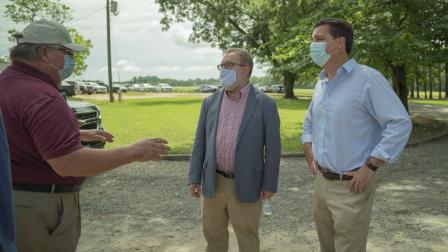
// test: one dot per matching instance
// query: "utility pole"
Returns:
(110, 8)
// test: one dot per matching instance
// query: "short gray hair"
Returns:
(245, 57)
(28, 52)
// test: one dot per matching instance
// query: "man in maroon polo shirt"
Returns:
(47, 160)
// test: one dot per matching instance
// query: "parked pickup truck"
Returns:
(89, 117)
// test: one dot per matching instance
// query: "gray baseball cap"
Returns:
(48, 32)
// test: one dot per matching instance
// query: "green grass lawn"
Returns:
(433, 102)
(175, 119)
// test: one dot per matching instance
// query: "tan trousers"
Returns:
(217, 211)
(342, 217)
(47, 222)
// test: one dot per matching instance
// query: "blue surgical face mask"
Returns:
(227, 77)
(69, 66)
(318, 53)
(67, 70)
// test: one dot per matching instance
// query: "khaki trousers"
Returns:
(47, 222)
(342, 217)
(216, 213)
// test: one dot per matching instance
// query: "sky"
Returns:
(139, 46)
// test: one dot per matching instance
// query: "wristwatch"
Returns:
(371, 166)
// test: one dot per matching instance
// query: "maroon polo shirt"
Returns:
(39, 125)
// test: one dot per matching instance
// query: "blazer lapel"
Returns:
(250, 106)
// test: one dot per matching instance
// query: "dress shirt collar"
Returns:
(348, 67)
(242, 93)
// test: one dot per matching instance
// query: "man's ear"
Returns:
(341, 43)
(42, 51)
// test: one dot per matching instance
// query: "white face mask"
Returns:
(227, 77)
(318, 53)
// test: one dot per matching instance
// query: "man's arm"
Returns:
(89, 162)
(96, 135)
(198, 154)
(307, 137)
(385, 106)
(272, 149)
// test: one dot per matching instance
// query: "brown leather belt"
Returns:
(330, 175)
(229, 175)
(48, 188)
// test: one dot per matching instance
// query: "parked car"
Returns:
(265, 89)
(97, 89)
(103, 84)
(85, 87)
(278, 89)
(116, 87)
(148, 87)
(163, 87)
(69, 88)
(89, 117)
(207, 89)
(134, 87)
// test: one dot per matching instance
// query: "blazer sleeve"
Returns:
(272, 146)
(198, 152)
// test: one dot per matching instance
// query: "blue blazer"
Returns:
(258, 149)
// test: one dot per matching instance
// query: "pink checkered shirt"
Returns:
(230, 117)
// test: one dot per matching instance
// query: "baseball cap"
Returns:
(48, 32)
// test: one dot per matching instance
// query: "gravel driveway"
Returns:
(145, 207)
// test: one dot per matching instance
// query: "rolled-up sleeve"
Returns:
(385, 106)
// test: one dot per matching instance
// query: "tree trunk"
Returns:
(288, 81)
(430, 82)
(446, 80)
(416, 83)
(440, 86)
(412, 89)
(399, 80)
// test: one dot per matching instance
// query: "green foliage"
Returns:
(27, 11)
(266, 80)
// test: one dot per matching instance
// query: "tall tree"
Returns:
(265, 28)
(27, 11)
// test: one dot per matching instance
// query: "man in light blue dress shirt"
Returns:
(355, 124)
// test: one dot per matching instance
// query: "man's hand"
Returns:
(360, 178)
(264, 195)
(195, 190)
(150, 149)
(96, 135)
(308, 150)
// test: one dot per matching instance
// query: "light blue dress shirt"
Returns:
(353, 116)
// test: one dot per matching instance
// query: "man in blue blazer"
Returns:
(236, 156)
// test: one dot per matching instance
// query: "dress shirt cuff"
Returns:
(307, 138)
(380, 154)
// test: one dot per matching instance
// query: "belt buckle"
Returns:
(231, 176)
(53, 187)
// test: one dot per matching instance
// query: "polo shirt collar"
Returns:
(28, 69)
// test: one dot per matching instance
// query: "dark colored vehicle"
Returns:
(70, 88)
(207, 89)
(278, 89)
(89, 117)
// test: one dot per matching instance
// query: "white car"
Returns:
(134, 87)
(148, 87)
(163, 87)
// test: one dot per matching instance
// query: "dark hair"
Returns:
(339, 28)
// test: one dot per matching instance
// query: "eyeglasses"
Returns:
(65, 50)
(228, 65)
